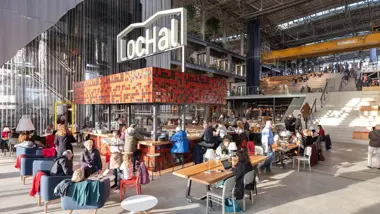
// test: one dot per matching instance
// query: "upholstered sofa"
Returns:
(27, 163)
(28, 151)
(67, 202)
(47, 185)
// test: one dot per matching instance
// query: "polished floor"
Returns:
(341, 184)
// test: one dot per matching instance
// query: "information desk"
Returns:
(146, 147)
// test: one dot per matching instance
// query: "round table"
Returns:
(139, 203)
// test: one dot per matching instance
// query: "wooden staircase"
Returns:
(369, 110)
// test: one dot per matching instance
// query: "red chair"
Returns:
(50, 141)
(124, 183)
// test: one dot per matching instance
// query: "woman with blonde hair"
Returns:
(23, 137)
(240, 127)
(23, 141)
(63, 140)
(78, 176)
(125, 171)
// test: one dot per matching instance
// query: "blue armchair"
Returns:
(42, 165)
(47, 185)
(28, 151)
(26, 169)
(67, 203)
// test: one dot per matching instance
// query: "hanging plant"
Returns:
(213, 25)
(191, 11)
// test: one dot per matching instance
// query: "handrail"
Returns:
(341, 83)
(323, 96)
(314, 106)
(50, 87)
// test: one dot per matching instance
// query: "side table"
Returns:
(139, 203)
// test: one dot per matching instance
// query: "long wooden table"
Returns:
(281, 151)
(197, 174)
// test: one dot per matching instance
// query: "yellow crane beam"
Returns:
(324, 48)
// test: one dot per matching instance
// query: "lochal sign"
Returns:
(155, 40)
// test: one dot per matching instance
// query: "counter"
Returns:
(163, 148)
(147, 146)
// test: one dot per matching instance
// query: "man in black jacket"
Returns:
(62, 165)
(290, 123)
(374, 145)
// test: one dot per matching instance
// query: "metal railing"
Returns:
(314, 106)
(323, 96)
(253, 90)
(341, 83)
(49, 87)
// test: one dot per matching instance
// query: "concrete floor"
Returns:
(341, 184)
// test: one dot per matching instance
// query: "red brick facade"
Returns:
(151, 85)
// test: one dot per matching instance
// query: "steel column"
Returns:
(155, 112)
(253, 54)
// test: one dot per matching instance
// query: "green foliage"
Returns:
(213, 25)
(191, 11)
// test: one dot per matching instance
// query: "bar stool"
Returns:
(153, 156)
(179, 156)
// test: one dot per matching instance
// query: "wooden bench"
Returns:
(358, 135)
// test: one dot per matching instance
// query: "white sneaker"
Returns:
(116, 191)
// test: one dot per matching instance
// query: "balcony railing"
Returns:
(256, 90)
(239, 70)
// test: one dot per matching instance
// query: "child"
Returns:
(222, 150)
(125, 170)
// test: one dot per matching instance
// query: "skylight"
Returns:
(325, 13)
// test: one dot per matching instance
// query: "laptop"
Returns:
(226, 164)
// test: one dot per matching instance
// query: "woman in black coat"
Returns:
(242, 167)
(90, 159)
(63, 140)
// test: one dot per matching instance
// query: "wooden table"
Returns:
(197, 174)
(199, 168)
(281, 151)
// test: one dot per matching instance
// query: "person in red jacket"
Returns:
(321, 132)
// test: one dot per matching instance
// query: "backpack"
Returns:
(143, 173)
(229, 205)
(328, 142)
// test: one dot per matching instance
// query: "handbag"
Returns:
(229, 205)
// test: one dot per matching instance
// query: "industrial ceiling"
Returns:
(287, 23)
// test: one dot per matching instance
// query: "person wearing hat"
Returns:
(131, 138)
(374, 145)
(180, 145)
(267, 141)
